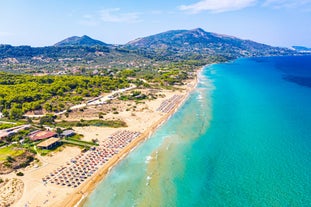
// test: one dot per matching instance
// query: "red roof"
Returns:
(42, 135)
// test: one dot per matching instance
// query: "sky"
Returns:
(45, 22)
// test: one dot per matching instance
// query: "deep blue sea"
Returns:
(243, 138)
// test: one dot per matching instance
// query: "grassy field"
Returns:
(98, 123)
(79, 142)
(9, 151)
(6, 125)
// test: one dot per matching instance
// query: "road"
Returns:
(96, 101)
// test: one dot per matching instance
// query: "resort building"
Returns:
(67, 133)
(40, 135)
(49, 143)
(10, 131)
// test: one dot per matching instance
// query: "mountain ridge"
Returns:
(80, 41)
(172, 45)
(202, 43)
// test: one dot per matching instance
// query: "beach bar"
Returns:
(49, 143)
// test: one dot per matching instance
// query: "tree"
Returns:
(66, 114)
(48, 119)
(5, 113)
(58, 131)
(16, 113)
(29, 120)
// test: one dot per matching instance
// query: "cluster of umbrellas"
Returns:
(86, 164)
(167, 105)
(80, 168)
(120, 139)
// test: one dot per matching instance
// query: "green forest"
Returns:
(21, 93)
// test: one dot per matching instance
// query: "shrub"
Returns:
(30, 149)
(10, 159)
(7, 164)
(20, 174)
(101, 115)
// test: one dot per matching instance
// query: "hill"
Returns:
(26, 52)
(197, 43)
(302, 49)
(80, 41)
(171, 46)
(59, 58)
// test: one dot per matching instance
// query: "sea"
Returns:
(242, 138)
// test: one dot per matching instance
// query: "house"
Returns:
(49, 143)
(95, 72)
(3, 134)
(68, 133)
(11, 131)
(40, 135)
(38, 112)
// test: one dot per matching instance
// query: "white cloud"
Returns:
(114, 15)
(291, 4)
(217, 6)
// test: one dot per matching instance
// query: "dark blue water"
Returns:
(242, 139)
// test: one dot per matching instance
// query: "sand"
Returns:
(10, 191)
(142, 118)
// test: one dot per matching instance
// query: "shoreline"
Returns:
(80, 195)
(144, 119)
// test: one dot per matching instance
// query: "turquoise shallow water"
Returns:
(243, 138)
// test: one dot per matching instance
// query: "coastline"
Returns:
(144, 118)
(79, 197)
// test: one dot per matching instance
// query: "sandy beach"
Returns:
(143, 120)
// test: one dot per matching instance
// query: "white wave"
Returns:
(148, 158)
(148, 180)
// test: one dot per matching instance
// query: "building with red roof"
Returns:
(39, 135)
